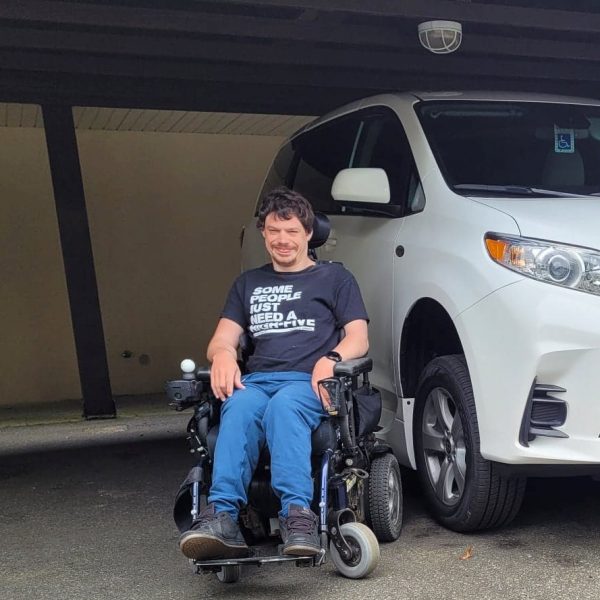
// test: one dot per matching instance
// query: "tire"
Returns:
(464, 491)
(362, 539)
(229, 573)
(385, 498)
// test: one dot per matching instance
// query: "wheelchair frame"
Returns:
(354, 455)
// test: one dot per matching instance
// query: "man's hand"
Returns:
(225, 375)
(354, 344)
(323, 369)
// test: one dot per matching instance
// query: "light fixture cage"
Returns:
(440, 37)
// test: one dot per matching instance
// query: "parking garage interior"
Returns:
(134, 139)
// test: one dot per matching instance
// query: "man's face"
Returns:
(287, 243)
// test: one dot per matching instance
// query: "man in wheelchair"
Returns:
(307, 324)
(293, 310)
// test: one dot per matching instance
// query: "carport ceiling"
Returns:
(286, 56)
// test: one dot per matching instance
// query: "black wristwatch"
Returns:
(334, 356)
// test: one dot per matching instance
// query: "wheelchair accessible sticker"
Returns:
(564, 140)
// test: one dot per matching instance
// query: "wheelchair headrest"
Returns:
(321, 229)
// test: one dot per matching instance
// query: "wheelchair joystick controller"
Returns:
(187, 390)
(188, 368)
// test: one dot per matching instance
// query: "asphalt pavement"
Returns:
(85, 513)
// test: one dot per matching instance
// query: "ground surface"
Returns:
(85, 513)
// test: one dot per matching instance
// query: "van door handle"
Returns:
(399, 251)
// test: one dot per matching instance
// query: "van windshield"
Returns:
(515, 149)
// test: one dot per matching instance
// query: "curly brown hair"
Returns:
(286, 203)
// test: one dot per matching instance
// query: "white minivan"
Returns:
(472, 224)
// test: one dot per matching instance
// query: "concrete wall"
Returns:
(37, 351)
(165, 214)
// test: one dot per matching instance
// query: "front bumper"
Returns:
(530, 330)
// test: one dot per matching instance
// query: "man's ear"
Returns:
(262, 232)
(309, 236)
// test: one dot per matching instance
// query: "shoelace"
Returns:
(301, 523)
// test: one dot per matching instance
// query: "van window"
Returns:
(514, 148)
(279, 174)
(383, 144)
(372, 137)
(321, 154)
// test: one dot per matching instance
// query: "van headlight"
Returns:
(560, 264)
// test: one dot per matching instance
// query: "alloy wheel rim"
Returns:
(394, 498)
(444, 446)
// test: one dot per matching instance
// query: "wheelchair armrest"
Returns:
(203, 374)
(353, 367)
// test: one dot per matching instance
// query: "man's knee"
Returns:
(243, 407)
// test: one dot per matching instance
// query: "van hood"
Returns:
(568, 220)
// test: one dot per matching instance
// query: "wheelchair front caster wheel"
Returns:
(229, 573)
(365, 550)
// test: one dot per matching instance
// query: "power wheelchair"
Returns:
(357, 485)
(358, 490)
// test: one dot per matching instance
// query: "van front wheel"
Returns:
(464, 491)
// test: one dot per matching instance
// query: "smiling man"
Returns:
(294, 310)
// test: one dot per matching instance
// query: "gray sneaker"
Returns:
(213, 535)
(299, 532)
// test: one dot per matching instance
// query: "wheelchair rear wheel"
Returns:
(384, 513)
(366, 551)
(229, 573)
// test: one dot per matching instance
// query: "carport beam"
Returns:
(79, 261)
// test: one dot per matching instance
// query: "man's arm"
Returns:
(354, 345)
(225, 375)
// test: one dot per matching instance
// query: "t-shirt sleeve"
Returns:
(234, 304)
(349, 305)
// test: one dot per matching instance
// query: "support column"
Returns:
(79, 262)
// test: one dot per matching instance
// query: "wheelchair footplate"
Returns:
(258, 557)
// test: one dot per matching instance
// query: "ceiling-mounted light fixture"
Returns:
(440, 37)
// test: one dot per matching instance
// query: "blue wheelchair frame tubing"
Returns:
(324, 479)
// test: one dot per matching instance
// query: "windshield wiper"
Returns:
(514, 190)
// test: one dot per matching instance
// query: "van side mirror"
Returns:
(361, 185)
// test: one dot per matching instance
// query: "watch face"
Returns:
(334, 356)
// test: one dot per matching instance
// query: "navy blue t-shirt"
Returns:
(293, 318)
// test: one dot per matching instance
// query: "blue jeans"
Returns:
(282, 410)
